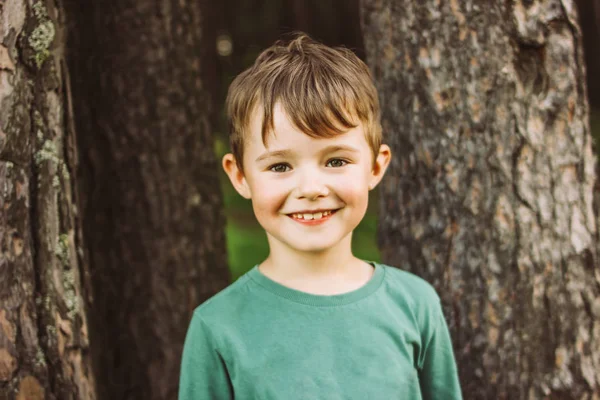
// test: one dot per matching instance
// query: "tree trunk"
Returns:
(489, 195)
(44, 350)
(150, 192)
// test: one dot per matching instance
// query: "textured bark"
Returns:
(43, 329)
(150, 193)
(489, 195)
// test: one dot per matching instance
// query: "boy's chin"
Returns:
(313, 246)
(316, 243)
(317, 249)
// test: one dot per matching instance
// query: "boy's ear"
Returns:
(384, 156)
(236, 176)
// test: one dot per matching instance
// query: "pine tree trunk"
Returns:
(44, 347)
(150, 192)
(489, 195)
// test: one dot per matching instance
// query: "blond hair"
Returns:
(322, 90)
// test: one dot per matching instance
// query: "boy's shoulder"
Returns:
(226, 302)
(414, 290)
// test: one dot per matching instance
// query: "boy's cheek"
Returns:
(267, 198)
(265, 189)
(355, 185)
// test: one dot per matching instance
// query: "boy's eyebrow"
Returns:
(277, 153)
(336, 147)
(286, 153)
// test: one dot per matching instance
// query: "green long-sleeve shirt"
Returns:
(258, 339)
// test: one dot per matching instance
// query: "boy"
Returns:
(312, 321)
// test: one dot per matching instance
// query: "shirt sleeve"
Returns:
(203, 374)
(438, 376)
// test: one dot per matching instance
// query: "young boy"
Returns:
(312, 321)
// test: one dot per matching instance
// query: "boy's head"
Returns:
(325, 91)
(306, 143)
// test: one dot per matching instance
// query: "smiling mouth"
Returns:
(314, 216)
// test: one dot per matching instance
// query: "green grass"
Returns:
(246, 247)
(364, 239)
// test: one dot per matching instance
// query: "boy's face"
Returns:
(307, 193)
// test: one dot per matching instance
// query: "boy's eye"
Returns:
(279, 168)
(336, 162)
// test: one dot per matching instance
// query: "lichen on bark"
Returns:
(42, 34)
(40, 303)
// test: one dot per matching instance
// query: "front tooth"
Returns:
(307, 216)
(317, 215)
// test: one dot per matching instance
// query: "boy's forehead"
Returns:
(279, 115)
(284, 132)
(282, 124)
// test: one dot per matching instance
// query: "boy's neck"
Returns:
(329, 272)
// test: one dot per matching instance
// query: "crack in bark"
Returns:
(35, 241)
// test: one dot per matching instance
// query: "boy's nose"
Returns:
(310, 187)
